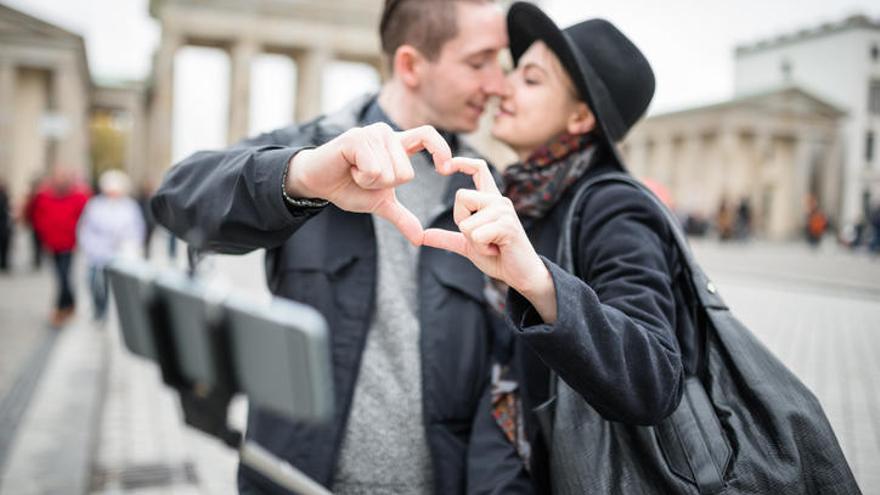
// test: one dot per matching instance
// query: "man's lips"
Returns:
(476, 108)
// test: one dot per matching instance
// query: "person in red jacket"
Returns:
(57, 207)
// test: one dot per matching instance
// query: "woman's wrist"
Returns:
(540, 291)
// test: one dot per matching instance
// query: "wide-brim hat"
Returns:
(609, 72)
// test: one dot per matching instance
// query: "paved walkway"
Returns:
(25, 337)
(819, 312)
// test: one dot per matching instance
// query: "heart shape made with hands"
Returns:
(465, 205)
(377, 160)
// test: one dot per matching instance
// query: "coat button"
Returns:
(711, 288)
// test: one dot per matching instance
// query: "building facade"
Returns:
(45, 97)
(771, 150)
(840, 63)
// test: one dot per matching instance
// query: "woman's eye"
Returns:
(531, 82)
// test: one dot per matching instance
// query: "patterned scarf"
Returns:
(536, 185)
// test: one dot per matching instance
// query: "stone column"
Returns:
(7, 112)
(162, 105)
(69, 103)
(137, 143)
(636, 159)
(799, 180)
(309, 82)
(242, 55)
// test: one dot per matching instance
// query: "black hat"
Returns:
(609, 72)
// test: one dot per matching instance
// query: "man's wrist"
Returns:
(294, 187)
(294, 192)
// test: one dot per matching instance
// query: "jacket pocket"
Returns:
(330, 285)
(462, 279)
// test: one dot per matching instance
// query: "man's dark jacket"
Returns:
(231, 202)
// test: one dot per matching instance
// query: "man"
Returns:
(5, 228)
(409, 330)
(57, 208)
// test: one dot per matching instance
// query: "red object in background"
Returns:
(55, 215)
(660, 191)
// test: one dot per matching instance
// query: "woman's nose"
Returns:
(506, 87)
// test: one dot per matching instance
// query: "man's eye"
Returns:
(531, 82)
(477, 65)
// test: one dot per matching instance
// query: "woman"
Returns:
(110, 225)
(609, 332)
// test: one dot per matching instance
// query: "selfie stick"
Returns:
(205, 409)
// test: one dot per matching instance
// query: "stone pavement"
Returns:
(25, 337)
(819, 312)
(50, 393)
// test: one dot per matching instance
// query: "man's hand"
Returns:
(493, 238)
(359, 170)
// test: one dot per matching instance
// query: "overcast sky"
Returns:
(689, 43)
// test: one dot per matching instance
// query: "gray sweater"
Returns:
(385, 450)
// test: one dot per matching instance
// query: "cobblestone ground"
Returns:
(25, 336)
(819, 311)
(25, 301)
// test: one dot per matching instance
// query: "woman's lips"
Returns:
(503, 112)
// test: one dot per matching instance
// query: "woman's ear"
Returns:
(581, 120)
(407, 62)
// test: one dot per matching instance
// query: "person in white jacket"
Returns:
(110, 225)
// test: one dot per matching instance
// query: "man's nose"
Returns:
(495, 83)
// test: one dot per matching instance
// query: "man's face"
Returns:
(457, 85)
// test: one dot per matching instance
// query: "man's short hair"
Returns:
(423, 24)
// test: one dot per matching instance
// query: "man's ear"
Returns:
(407, 65)
(581, 120)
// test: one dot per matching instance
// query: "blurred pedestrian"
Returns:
(145, 192)
(874, 245)
(28, 219)
(110, 225)
(817, 222)
(5, 228)
(724, 221)
(743, 224)
(56, 210)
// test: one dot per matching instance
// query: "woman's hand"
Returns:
(493, 238)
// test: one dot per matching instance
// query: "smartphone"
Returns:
(132, 285)
(281, 356)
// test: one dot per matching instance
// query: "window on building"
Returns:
(869, 147)
(874, 98)
(875, 52)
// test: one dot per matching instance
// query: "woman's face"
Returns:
(539, 103)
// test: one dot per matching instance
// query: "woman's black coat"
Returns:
(614, 341)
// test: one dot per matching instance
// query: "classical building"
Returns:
(840, 63)
(772, 149)
(47, 101)
(44, 99)
(312, 32)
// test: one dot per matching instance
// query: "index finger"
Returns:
(426, 138)
(476, 168)
(405, 221)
